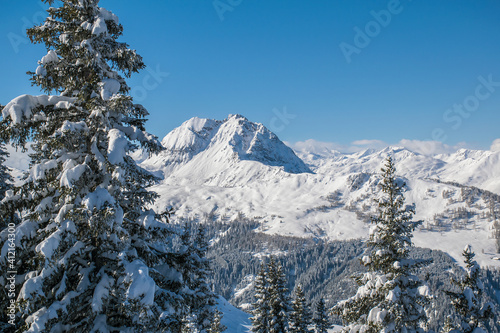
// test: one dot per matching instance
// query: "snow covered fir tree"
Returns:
(320, 320)
(260, 318)
(90, 255)
(390, 297)
(279, 302)
(216, 324)
(472, 314)
(6, 183)
(5, 176)
(272, 307)
(198, 295)
(300, 316)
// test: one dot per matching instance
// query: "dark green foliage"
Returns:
(199, 297)
(300, 316)
(7, 208)
(321, 322)
(261, 307)
(87, 243)
(467, 302)
(495, 232)
(216, 325)
(279, 302)
(389, 297)
(5, 176)
(272, 305)
(322, 268)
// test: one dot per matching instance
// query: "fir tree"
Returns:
(495, 233)
(300, 317)
(260, 318)
(90, 256)
(279, 305)
(200, 299)
(6, 184)
(6, 179)
(189, 325)
(448, 326)
(390, 296)
(321, 322)
(216, 325)
(467, 302)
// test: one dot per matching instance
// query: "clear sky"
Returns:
(329, 70)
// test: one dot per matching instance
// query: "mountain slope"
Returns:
(473, 167)
(224, 153)
(220, 169)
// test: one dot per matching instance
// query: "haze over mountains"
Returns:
(222, 168)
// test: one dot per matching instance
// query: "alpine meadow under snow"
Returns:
(105, 228)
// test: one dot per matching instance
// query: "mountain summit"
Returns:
(207, 148)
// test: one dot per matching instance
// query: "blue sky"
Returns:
(334, 71)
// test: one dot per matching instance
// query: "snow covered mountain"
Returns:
(215, 169)
(224, 153)
(218, 169)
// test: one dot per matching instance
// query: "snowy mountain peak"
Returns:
(193, 135)
(237, 116)
(208, 149)
(253, 141)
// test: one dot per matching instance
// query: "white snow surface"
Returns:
(21, 108)
(109, 87)
(118, 144)
(234, 319)
(217, 147)
(99, 25)
(98, 199)
(101, 292)
(142, 286)
(234, 165)
(72, 175)
(51, 56)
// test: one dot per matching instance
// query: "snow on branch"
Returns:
(21, 108)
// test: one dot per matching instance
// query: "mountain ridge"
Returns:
(229, 167)
(225, 168)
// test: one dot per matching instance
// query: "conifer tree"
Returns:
(495, 233)
(5, 177)
(467, 302)
(448, 326)
(279, 304)
(300, 317)
(90, 256)
(260, 318)
(6, 183)
(216, 325)
(189, 325)
(321, 322)
(390, 297)
(200, 299)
